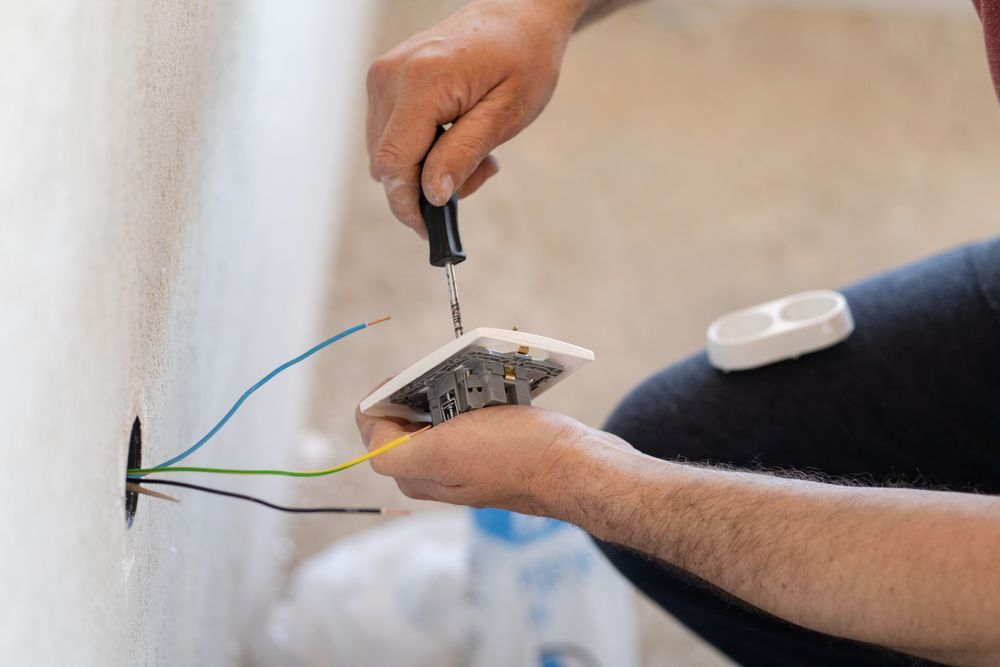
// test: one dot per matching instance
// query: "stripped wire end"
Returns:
(135, 487)
(378, 321)
(395, 512)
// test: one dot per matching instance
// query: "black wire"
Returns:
(241, 496)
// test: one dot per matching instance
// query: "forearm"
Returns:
(917, 571)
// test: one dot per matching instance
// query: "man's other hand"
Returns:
(490, 68)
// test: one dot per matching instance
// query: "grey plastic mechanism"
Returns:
(475, 378)
(483, 367)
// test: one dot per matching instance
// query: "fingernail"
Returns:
(444, 190)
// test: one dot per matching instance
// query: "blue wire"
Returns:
(236, 406)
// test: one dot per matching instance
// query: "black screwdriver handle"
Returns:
(442, 227)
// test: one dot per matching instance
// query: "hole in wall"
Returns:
(134, 460)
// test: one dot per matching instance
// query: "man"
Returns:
(798, 571)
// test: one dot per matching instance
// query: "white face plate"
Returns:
(539, 348)
(778, 330)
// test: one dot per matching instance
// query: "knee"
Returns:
(658, 416)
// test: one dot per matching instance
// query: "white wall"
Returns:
(169, 174)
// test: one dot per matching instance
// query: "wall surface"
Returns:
(169, 174)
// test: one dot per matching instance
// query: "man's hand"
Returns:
(911, 570)
(514, 457)
(490, 68)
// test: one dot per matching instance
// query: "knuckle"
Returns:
(381, 71)
(382, 465)
(408, 490)
(509, 113)
(388, 159)
(378, 466)
(471, 147)
(515, 111)
(426, 63)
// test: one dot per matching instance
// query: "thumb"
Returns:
(377, 431)
(460, 150)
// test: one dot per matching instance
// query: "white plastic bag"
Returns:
(545, 596)
(488, 588)
(392, 595)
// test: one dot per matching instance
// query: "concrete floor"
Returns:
(692, 161)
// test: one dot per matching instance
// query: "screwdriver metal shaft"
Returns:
(445, 244)
(456, 308)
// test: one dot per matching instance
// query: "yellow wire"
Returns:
(287, 473)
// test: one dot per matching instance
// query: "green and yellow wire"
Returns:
(287, 473)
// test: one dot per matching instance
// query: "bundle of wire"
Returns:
(138, 475)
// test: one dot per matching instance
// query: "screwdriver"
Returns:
(445, 244)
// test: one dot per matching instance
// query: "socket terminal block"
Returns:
(475, 378)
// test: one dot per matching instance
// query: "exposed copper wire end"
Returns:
(379, 320)
(395, 512)
(138, 488)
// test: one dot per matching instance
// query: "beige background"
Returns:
(694, 160)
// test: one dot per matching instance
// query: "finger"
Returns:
(382, 113)
(380, 82)
(363, 421)
(460, 150)
(377, 431)
(486, 170)
(405, 141)
(402, 192)
(371, 137)
(418, 489)
(426, 489)
(408, 458)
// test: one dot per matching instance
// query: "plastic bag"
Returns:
(392, 595)
(544, 595)
(488, 588)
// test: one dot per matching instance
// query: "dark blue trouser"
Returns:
(913, 397)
